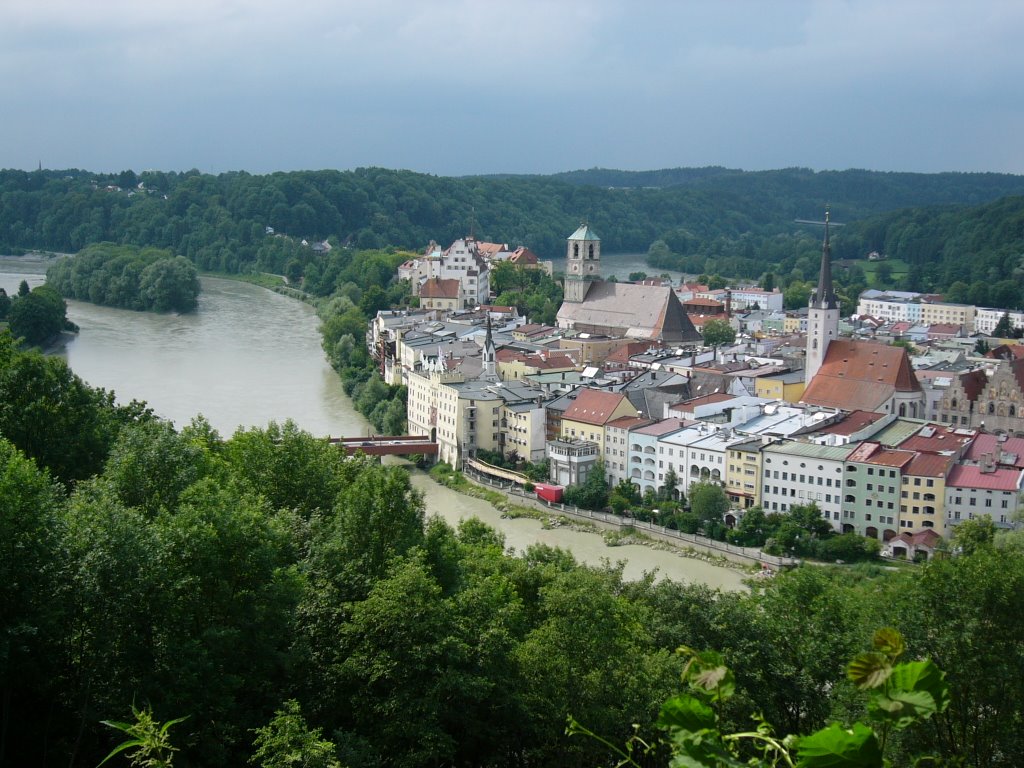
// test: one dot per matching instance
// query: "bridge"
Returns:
(387, 445)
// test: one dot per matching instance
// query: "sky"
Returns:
(457, 87)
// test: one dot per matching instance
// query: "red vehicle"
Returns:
(547, 492)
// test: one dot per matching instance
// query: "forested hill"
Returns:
(853, 194)
(974, 254)
(741, 221)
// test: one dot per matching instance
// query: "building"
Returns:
(797, 474)
(616, 447)
(872, 488)
(986, 489)
(853, 375)
(743, 474)
(446, 295)
(995, 404)
(617, 309)
(923, 494)
(586, 417)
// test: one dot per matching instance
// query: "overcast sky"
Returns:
(458, 87)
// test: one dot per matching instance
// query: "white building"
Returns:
(986, 319)
(797, 474)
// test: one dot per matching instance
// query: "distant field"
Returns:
(898, 266)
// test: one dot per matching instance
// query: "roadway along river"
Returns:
(249, 356)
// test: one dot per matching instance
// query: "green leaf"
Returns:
(836, 747)
(901, 708)
(121, 748)
(923, 676)
(686, 713)
(918, 690)
(888, 641)
(869, 670)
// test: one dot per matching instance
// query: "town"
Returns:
(896, 423)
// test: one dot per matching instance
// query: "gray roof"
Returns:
(638, 311)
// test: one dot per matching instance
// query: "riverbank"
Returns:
(592, 539)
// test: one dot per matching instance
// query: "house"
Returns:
(436, 293)
(586, 417)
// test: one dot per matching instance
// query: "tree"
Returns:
(5, 304)
(768, 281)
(287, 741)
(969, 536)
(718, 332)
(38, 316)
(636, 277)
(708, 503)
(796, 295)
(1004, 328)
(592, 493)
(23, 289)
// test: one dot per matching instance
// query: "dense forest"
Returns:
(290, 602)
(713, 220)
(128, 277)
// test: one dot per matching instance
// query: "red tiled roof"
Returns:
(860, 375)
(593, 406)
(929, 465)
(436, 288)
(973, 383)
(874, 453)
(628, 422)
(665, 426)
(699, 301)
(1007, 352)
(942, 438)
(523, 256)
(968, 476)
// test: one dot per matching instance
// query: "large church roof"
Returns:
(638, 311)
(860, 375)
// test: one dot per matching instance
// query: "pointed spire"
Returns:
(825, 297)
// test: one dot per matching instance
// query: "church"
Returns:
(592, 305)
(853, 375)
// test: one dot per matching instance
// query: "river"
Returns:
(249, 356)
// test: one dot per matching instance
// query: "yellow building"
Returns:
(788, 387)
(592, 409)
(743, 474)
(954, 314)
(923, 493)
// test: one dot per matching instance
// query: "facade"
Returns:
(644, 452)
(986, 319)
(787, 387)
(616, 447)
(571, 461)
(986, 489)
(872, 486)
(796, 474)
(923, 493)
(743, 474)
(995, 403)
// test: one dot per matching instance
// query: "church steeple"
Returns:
(490, 356)
(822, 313)
(825, 296)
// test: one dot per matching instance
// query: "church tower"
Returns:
(822, 314)
(490, 354)
(583, 263)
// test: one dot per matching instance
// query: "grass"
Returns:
(898, 266)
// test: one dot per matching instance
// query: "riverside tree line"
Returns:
(284, 598)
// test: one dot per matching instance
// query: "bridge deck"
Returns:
(388, 445)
